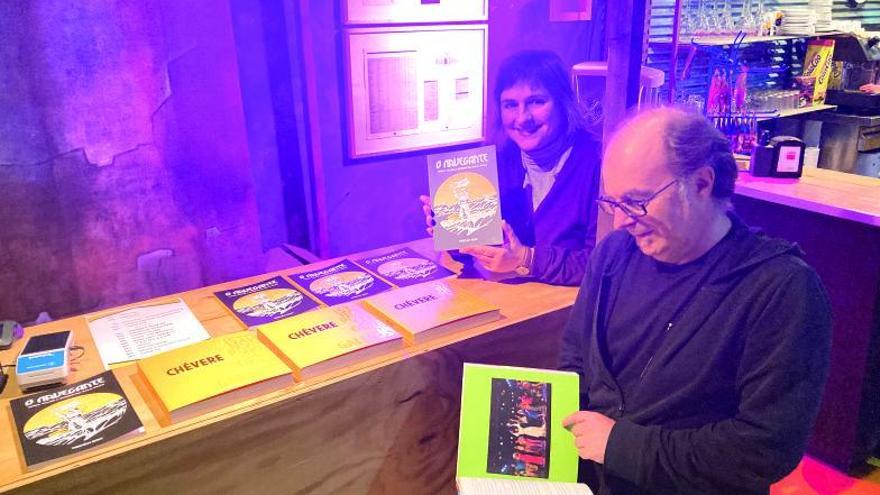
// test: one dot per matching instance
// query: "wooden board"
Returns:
(829, 192)
(384, 426)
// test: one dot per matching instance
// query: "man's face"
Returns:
(530, 116)
(635, 168)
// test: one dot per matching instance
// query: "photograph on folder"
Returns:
(511, 424)
(328, 339)
(210, 375)
(81, 416)
(431, 309)
(404, 267)
(519, 428)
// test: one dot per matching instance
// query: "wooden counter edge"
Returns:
(153, 435)
(783, 191)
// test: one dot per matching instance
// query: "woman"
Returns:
(548, 168)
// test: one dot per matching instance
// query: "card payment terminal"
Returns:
(45, 360)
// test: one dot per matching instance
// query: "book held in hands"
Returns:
(511, 432)
(327, 339)
(202, 377)
(404, 267)
(465, 198)
(426, 310)
(265, 301)
(90, 413)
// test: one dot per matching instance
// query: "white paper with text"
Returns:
(143, 331)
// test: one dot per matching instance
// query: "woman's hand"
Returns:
(429, 214)
(505, 258)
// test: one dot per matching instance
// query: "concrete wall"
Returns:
(153, 146)
(124, 164)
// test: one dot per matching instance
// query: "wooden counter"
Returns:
(384, 426)
(829, 192)
(835, 218)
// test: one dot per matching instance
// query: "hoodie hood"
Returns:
(755, 250)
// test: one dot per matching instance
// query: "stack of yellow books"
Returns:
(212, 374)
(430, 309)
(327, 339)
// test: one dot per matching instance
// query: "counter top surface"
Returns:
(829, 192)
(518, 302)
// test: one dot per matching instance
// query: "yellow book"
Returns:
(425, 310)
(322, 340)
(212, 374)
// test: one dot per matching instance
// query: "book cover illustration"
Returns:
(265, 301)
(81, 416)
(518, 428)
(340, 283)
(405, 267)
(465, 198)
(511, 423)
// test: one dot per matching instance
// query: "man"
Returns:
(702, 346)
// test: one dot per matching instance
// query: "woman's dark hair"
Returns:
(544, 69)
(692, 142)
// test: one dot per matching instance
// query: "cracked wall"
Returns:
(122, 136)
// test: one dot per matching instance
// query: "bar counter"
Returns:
(388, 425)
(829, 192)
(835, 218)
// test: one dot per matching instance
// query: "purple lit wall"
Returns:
(372, 203)
(124, 161)
(153, 146)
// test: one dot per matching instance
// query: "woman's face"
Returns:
(530, 116)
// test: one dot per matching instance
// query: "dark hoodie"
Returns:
(731, 395)
(563, 229)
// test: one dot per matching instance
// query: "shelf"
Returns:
(762, 116)
(796, 111)
(723, 40)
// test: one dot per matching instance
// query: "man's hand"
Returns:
(591, 431)
(500, 259)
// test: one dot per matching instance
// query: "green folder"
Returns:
(511, 423)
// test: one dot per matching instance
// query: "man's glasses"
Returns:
(631, 207)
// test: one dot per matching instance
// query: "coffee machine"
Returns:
(857, 59)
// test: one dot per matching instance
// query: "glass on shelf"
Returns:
(717, 18)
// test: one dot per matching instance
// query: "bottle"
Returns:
(739, 90)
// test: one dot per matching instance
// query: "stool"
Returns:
(650, 81)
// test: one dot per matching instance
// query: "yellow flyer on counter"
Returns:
(230, 368)
(312, 342)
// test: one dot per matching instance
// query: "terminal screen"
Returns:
(48, 342)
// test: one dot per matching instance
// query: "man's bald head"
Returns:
(686, 142)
